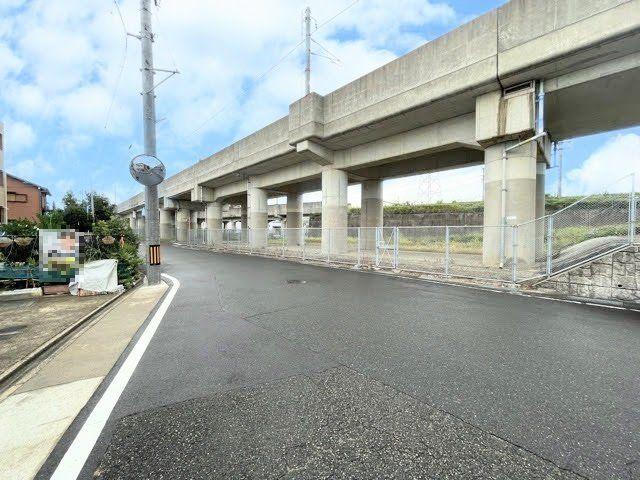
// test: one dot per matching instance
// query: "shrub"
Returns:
(21, 227)
(126, 255)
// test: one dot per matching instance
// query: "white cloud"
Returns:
(18, 136)
(603, 169)
(33, 170)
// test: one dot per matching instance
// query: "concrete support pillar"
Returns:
(214, 222)
(334, 210)
(140, 224)
(244, 215)
(371, 212)
(294, 219)
(256, 215)
(132, 221)
(520, 201)
(167, 224)
(182, 224)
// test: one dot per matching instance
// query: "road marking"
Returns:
(79, 450)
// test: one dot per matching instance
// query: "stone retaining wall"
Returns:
(613, 277)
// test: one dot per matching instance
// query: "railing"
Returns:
(592, 226)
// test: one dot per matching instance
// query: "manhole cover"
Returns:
(5, 332)
(296, 281)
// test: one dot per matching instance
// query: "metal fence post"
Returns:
(447, 251)
(632, 210)
(377, 239)
(514, 253)
(283, 234)
(304, 236)
(396, 237)
(549, 245)
(329, 245)
(358, 264)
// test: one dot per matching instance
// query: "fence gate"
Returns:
(387, 247)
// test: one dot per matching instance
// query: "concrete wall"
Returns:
(612, 277)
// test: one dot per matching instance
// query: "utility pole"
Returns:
(307, 70)
(149, 125)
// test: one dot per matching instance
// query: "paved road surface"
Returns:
(356, 375)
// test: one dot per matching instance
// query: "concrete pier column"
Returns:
(140, 224)
(521, 176)
(214, 222)
(334, 210)
(167, 224)
(256, 215)
(244, 216)
(182, 224)
(132, 221)
(294, 219)
(371, 212)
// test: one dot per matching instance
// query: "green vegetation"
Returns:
(110, 237)
(552, 204)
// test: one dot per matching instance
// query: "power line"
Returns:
(335, 57)
(244, 90)
(336, 15)
(274, 66)
(122, 65)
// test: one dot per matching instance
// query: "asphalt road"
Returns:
(357, 375)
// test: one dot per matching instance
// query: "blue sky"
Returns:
(71, 107)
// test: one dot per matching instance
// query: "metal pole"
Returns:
(446, 250)
(514, 253)
(359, 250)
(329, 246)
(632, 209)
(307, 70)
(377, 246)
(560, 171)
(149, 125)
(304, 235)
(395, 246)
(549, 244)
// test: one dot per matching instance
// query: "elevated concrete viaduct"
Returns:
(568, 68)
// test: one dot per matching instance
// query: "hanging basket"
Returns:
(5, 242)
(23, 241)
(108, 240)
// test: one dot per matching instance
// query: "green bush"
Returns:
(21, 227)
(126, 255)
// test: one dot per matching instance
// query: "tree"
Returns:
(75, 214)
(103, 208)
(51, 220)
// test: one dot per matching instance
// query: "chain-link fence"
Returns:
(592, 226)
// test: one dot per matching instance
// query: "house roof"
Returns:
(26, 182)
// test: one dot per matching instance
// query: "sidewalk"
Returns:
(36, 411)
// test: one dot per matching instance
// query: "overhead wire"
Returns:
(274, 66)
(122, 64)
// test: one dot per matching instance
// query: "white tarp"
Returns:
(100, 276)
